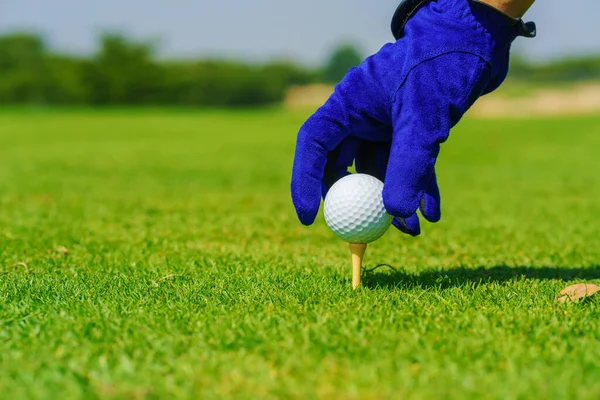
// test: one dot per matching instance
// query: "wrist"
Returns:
(514, 9)
(504, 13)
(499, 8)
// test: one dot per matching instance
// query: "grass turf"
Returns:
(187, 274)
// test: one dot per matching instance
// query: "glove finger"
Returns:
(410, 225)
(372, 158)
(409, 170)
(431, 202)
(318, 136)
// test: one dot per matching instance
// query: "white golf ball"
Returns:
(354, 209)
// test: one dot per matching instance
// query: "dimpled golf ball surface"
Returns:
(354, 209)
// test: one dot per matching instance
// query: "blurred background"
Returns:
(149, 247)
(240, 54)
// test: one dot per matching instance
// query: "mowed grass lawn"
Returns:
(156, 254)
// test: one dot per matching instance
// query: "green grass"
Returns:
(187, 274)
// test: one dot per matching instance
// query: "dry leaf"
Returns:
(22, 264)
(63, 250)
(578, 292)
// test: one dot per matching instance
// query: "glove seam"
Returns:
(473, 81)
(394, 95)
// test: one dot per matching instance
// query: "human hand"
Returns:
(389, 115)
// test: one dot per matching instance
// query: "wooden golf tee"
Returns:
(358, 251)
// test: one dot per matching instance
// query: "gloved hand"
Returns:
(390, 114)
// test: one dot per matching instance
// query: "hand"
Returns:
(390, 114)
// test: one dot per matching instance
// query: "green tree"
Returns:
(65, 83)
(22, 68)
(341, 60)
(123, 72)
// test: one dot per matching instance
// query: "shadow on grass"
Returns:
(469, 276)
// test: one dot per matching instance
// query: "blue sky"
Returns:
(264, 29)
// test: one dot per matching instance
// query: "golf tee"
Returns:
(358, 251)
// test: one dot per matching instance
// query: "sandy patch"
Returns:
(581, 99)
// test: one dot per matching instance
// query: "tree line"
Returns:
(124, 71)
(575, 69)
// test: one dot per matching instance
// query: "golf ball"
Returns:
(354, 209)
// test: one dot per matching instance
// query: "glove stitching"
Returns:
(427, 58)
(475, 78)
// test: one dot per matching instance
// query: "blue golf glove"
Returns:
(389, 115)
